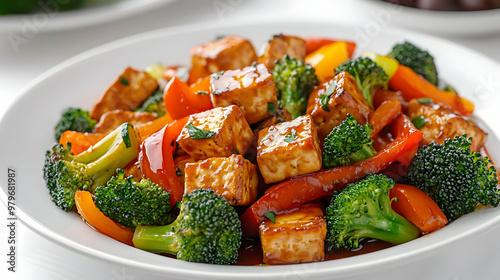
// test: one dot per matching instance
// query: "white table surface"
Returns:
(38, 258)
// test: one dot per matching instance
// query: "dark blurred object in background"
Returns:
(449, 5)
(8, 7)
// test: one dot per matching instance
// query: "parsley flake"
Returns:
(291, 136)
(196, 133)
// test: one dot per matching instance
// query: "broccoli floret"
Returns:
(368, 74)
(207, 230)
(363, 211)
(417, 59)
(347, 143)
(456, 178)
(74, 119)
(154, 104)
(132, 203)
(295, 80)
(65, 173)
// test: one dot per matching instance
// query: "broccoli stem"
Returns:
(365, 152)
(118, 148)
(157, 239)
(384, 224)
(367, 95)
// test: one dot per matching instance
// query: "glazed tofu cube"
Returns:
(288, 149)
(228, 53)
(442, 122)
(295, 237)
(111, 120)
(223, 130)
(345, 99)
(128, 92)
(279, 45)
(234, 177)
(251, 88)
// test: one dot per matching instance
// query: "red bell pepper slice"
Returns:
(200, 97)
(180, 101)
(301, 189)
(157, 162)
(416, 206)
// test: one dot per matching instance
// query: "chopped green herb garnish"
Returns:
(271, 216)
(271, 108)
(419, 122)
(325, 97)
(124, 81)
(450, 89)
(290, 137)
(202, 92)
(424, 100)
(196, 133)
(126, 136)
(235, 152)
(178, 172)
(178, 204)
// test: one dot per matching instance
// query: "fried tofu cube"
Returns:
(279, 45)
(345, 99)
(295, 237)
(288, 149)
(228, 130)
(228, 53)
(442, 122)
(128, 92)
(251, 88)
(109, 121)
(234, 177)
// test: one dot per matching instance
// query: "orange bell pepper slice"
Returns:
(416, 206)
(325, 59)
(148, 129)
(413, 86)
(301, 189)
(95, 218)
(313, 43)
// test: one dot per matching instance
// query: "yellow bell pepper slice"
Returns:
(389, 64)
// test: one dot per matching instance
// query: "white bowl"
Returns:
(27, 132)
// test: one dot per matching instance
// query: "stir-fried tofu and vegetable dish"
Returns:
(303, 153)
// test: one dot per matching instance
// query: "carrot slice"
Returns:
(413, 86)
(80, 141)
(384, 114)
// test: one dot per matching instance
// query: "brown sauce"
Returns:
(251, 252)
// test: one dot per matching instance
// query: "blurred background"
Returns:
(37, 35)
